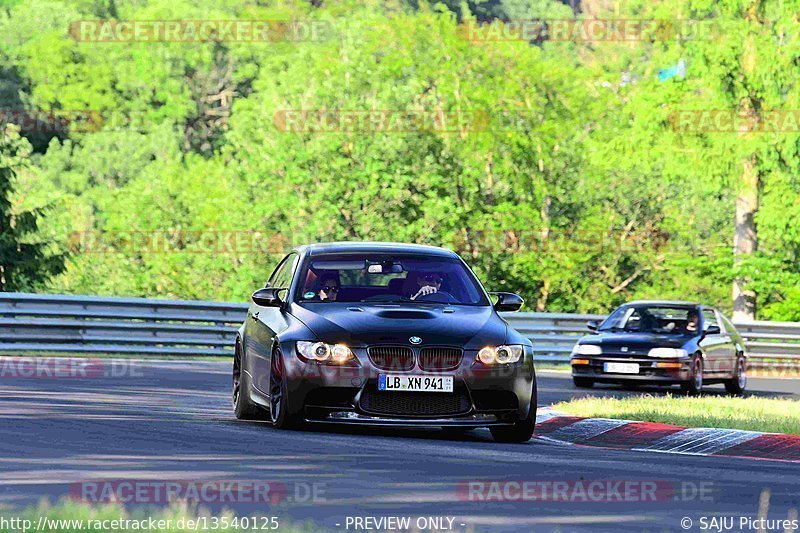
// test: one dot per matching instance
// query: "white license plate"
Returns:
(397, 382)
(621, 368)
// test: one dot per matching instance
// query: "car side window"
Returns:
(709, 319)
(282, 277)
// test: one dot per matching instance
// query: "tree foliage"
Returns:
(577, 191)
(25, 263)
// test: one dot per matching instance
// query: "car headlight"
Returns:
(668, 352)
(500, 355)
(587, 349)
(336, 354)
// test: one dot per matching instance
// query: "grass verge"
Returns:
(542, 365)
(769, 415)
(69, 516)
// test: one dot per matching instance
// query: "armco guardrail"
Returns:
(45, 323)
(89, 324)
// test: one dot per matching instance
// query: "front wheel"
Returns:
(694, 387)
(279, 412)
(738, 383)
(243, 407)
(521, 431)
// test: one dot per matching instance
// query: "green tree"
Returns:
(25, 264)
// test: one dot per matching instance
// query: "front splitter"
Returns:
(351, 417)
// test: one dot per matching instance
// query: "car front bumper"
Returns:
(678, 370)
(499, 395)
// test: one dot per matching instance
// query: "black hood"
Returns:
(635, 342)
(365, 324)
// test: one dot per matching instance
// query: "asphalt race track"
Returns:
(171, 422)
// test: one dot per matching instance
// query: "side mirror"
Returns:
(267, 297)
(592, 325)
(713, 330)
(507, 301)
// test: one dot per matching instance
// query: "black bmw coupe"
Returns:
(662, 343)
(384, 334)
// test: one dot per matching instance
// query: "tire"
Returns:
(738, 383)
(521, 431)
(279, 412)
(583, 383)
(694, 387)
(243, 407)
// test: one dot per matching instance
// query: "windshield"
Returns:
(653, 319)
(381, 278)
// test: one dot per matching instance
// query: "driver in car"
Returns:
(329, 289)
(692, 321)
(428, 283)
